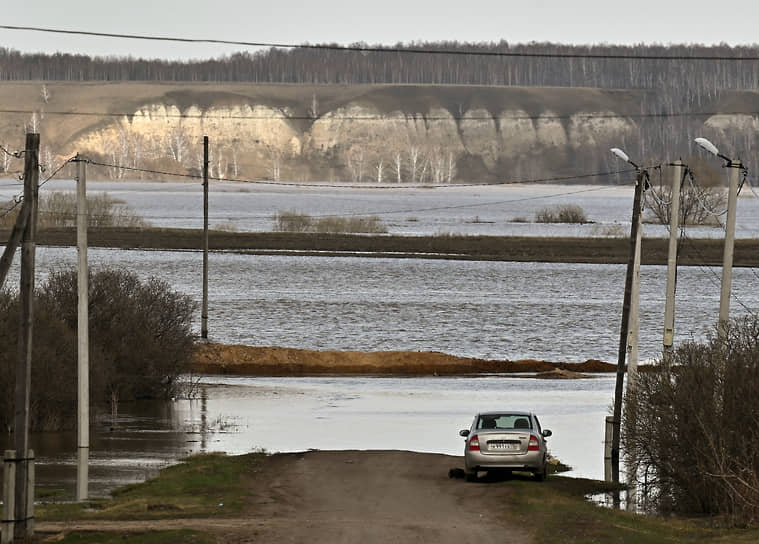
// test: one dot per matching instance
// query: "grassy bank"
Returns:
(497, 248)
(211, 358)
(210, 495)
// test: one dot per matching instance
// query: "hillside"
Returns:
(366, 133)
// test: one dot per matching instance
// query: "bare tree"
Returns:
(414, 155)
(355, 162)
(398, 165)
(276, 158)
(45, 94)
(178, 144)
(313, 109)
(5, 159)
(235, 159)
(379, 169)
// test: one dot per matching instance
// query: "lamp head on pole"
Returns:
(622, 155)
(711, 148)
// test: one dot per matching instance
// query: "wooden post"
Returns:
(24, 361)
(9, 484)
(13, 242)
(204, 310)
(624, 328)
(29, 483)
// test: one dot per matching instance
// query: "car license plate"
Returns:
(503, 446)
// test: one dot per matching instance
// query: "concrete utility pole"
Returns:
(204, 310)
(24, 525)
(680, 170)
(640, 180)
(727, 258)
(83, 343)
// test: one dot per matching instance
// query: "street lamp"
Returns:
(727, 256)
(622, 155)
(711, 148)
(628, 334)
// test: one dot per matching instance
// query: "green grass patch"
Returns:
(202, 486)
(557, 512)
(152, 537)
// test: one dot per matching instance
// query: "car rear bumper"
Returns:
(474, 460)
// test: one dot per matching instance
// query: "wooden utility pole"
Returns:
(83, 344)
(674, 224)
(204, 310)
(24, 520)
(727, 258)
(624, 329)
(15, 239)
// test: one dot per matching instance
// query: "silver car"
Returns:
(505, 441)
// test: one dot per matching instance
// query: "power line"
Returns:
(378, 49)
(715, 277)
(342, 186)
(14, 154)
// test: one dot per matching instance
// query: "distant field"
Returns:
(496, 248)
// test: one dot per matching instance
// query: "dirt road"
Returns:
(349, 497)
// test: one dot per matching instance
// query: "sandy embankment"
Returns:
(275, 361)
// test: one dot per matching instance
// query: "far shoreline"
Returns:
(601, 250)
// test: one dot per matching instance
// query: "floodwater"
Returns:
(495, 310)
(239, 415)
(487, 210)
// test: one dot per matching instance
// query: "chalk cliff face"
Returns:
(408, 134)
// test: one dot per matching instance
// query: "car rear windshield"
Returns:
(504, 421)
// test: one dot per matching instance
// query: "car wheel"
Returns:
(540, 474)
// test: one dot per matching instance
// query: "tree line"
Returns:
(406, 65)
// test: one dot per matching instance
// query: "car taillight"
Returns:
(534, 444)
(474, 443)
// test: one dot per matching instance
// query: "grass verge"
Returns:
(152, 537)
(557, 512)
(203, 486)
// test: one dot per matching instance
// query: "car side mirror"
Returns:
(464, 433)
(547, 433)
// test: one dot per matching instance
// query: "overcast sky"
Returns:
(386, 22)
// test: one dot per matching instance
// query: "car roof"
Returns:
(515, 412)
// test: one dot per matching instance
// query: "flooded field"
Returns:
(494, 310)
(239, 415)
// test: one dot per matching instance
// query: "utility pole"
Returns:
(83, 356)
(204, 310)
(727, 258)
(634, 327)
(680, 170)
(624, 329)
(15, 239)
(24, 496)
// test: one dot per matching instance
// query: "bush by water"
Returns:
(140, 344)
(692, 426)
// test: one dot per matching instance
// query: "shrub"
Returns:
(692, 424)
(58, 209)
(140, 344)
(698, 204)
(292, 222)
(561, 213)
(298, 222)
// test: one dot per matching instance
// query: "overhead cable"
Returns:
(378, 49)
